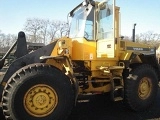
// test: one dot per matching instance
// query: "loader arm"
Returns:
(30, 58)
(6, 55)
(20, 51)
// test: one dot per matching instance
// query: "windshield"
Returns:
(82, 23)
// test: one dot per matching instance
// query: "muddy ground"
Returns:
(101, 108)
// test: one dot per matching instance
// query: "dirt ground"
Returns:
(100, 108)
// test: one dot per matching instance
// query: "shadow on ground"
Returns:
(100, 108)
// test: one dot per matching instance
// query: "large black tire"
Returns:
(38, 92)
(140, 88)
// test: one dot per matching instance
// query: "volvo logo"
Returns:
(138, 49)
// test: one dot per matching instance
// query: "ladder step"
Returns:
(118, 87)
(118, 98)
(117, 78)
(83, 101)
(116, 67)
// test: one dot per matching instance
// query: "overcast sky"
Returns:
(13, 13)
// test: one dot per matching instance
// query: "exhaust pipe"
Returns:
(133, 33)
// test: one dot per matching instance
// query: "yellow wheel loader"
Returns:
(94, 59)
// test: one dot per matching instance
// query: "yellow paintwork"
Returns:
(102, 62)
(63, 45)
(145, 88)
(91, 89)
(83, 49)
(125, 54)
(40, 100)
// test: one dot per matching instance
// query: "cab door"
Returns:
(105, 29)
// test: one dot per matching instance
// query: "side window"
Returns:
(89, 27)
(105, 22)
(89, 30)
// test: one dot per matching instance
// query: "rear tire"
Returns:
(38, 92)
(141, 88)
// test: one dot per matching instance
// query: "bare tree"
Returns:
(2, 42)
(43, 30)
(53, 29)
(148, 38)
(58, 29)
(10, 39)
(6, 41)
(32, 28)
(64, 27)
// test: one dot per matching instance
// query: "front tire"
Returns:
(38, 92)
(141, 88)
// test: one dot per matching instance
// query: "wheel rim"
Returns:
(145, 88)
(40, 100)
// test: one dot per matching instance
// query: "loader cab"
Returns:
(95, 22)
(82, 24)
(106, 29)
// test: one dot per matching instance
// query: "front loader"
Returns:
(94, 59)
